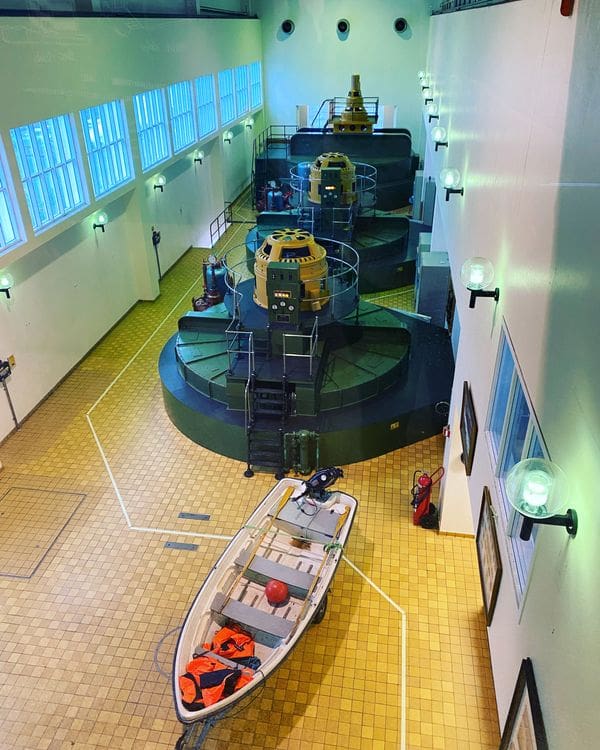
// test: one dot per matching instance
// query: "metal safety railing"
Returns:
(313, 337)
(365, 185)
(221, 224)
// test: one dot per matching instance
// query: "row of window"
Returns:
(513, 435)
(49, 161)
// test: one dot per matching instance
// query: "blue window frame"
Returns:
(207, 107)
(11, 228)
(514, 435)
(226, 96)
(241, 89)
(107, 145)
(50, 167)
(181, 110)
(151, 124)
(255, 85)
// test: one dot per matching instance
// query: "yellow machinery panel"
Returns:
(298, 248)
(344, 186)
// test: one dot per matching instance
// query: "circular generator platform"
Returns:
(381, 380)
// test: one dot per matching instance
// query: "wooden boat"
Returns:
(296, 535)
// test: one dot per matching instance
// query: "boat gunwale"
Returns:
(285, 647)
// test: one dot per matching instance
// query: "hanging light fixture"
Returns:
(439, 136)
(160, 182)
(537, 489)
(450, 179)
(6, 282)
(477, 274)
(432, 111)
(100, 221)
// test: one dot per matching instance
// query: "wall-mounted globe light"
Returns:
(421, 75)
(159, 182)
(439, 136)
(537, 489)
(477, 274)
(227, 136)
(249, 122)
(427, 92)
(450, 179)
(6, 282)
(198, 155)
(432, 111)
(100, 221)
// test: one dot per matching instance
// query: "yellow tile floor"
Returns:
(86, 640)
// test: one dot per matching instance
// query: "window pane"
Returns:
(505, 375)
(50, 169)
(226, 96)
(207, 112)
(11, 230)
(181, 110)
(255, 85)
(519, 422)
(104, 129)
(241, 89)
(151, 125)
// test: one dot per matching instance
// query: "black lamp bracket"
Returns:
(449, 191)
(495, 294)
(99, 226)
(440, 143)
(567, 520)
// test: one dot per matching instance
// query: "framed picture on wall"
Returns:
(468, 428)
(524, 728)
(488, 555)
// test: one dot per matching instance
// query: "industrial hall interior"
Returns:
(298, 374)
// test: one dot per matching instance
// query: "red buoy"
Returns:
(276, 592)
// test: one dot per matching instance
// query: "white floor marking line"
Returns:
(195, 534)
(402, 612)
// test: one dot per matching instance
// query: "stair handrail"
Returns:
(316, 117)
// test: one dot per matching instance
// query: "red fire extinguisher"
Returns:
(421, 494)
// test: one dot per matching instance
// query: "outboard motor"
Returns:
(317, 484)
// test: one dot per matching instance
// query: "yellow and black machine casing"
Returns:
(302, 287)
(332, 180)
(353, 119)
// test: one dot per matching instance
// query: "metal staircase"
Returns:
(269, 404)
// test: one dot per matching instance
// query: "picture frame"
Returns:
(524, 728)
(468, 428)
(488, 555)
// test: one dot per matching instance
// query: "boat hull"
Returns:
(286, 538)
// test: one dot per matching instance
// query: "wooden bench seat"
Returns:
(264, 627)
(261, 570)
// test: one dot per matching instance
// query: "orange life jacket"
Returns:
(207, 680)
(232, 642)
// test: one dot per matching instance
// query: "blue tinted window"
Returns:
(241, 89)
(11, 231)
(514, 435)
(255, 85)
(50, 169)
(107, 145)
(151, 125)
(226, 96)
(505, 375)
(207, 110)
(181, 110)
(517, 431)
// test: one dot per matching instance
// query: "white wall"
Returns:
(518, 86)
(73, 283)
(313, 64)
